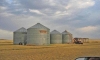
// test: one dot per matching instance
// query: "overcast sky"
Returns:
(80, 17)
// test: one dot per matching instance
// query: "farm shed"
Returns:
(84, 40)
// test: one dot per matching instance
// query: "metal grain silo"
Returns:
(38, 35)
(71, 37)
(20, 36)
(55, 37)
(66, 37)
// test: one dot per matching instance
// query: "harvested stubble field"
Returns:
(8, 51)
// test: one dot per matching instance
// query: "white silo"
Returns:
(38, 35)
(20, 36)
(55, 37)
(66, 37)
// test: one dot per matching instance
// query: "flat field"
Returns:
(8, 51)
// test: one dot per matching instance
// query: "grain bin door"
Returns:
(44, 41)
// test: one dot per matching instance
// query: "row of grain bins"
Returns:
(40, 35)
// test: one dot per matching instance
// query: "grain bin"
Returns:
(66, 37)
(55, 37)
(38, 35)
(20, 36)
(71, 37)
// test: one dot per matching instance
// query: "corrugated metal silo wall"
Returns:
(48, 36)
(65, 38)
(19, 37)
(36, 36)
(71, 37)
(56, 38)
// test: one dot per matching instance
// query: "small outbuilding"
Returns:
(55, 37)
(20, 36)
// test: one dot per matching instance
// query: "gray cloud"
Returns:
(7, 24)
(55, 14)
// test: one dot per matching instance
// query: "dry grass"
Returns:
(8, 51)
(94, 40)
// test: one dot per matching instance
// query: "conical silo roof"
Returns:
(69, 33)
(65, 32)
(21, 30)
(38, 25)
(55, 32)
